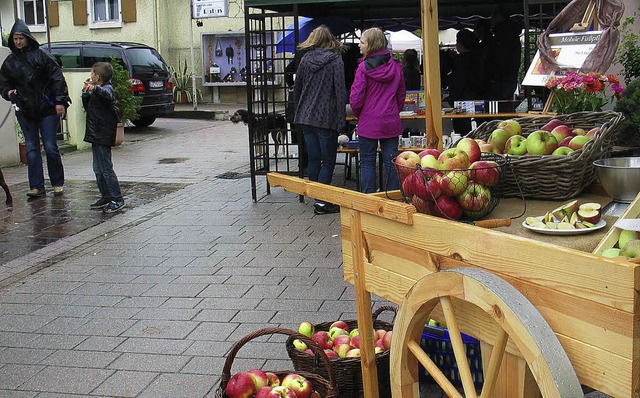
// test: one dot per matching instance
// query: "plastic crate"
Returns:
(436, 344)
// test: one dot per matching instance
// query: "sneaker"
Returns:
(58, 190)
(113, 206)
(99, 204)
(36, 193)
(325, 208)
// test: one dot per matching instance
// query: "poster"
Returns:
(570, 51)
(209, 9)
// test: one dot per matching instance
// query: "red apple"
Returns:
(321, 338)
(421, 205)
(578, 131)
(475, 197)
(260, 378)
(498, 139)
(315, 394)
(565, 142)
(386, 340)
(429, 151)
(590, 212)
(551, 124)
(273, 379)
(408, 160)
(561, 132)
(344, 339)
(380, 333)
(240, 385)
(578, 142)
(446, 207)
(433, 187)
(342, 349)
(516, 145)
(510, 126)
(264, 392)
(485, 172)
(409, 185)
(282, 392)
(353, 353)
(309, 351)
(489, 148)
(592, 133)
(453, 159)
(378, 343)
(330, 353)
(340, 324)
(429, 161)
(298, 384)
(454, 182)
(471, 147)
(355, 341)
(541, 142)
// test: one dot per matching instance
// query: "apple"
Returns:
(475, 198)
(480, 142)
(446, 207)
(485, 172)
(592, 133)
(562, 151)
(578, 142)
(551, 124)
(590, 212)
(354, 332)
(355, 341)
(329, 352)
(611, 252)
(309, 351)
(454, 182)
(631, 249)
(340, 324)
(343, 339)
(565, 142)
(565, 210)
(260, 378)
(306, 329)
(386, 340)
(516, 145)
(377, 350)
(625, 237)
(578, 131)
(510, 126)
(498, 139)
(429, 151)
(489, 148)
(272, 379)
(335, 332)
(561, 132)
(421, 205)
(240, 385)
(299, 345)
(408, 185)
(282, 392)
(429, 161)
(453, 159)
(322, 339)
(541, 142)
(353, 353)
(408, 160)
(471, 148)
(264, 392)
(433, 187)
(315, 394)
(298, 384)
(342, 349)
(380, 333)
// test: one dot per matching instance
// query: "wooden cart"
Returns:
(472, 277)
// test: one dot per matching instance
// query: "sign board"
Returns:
(570, 51)
(209, 9)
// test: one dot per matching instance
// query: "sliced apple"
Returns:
(565, 225)
(548, 217)
(590, 212)
(551, 225)
(574, 219)
(566, 210)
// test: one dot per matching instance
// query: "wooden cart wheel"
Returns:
(517, 318)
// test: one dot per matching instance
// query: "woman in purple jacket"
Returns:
(377, 97)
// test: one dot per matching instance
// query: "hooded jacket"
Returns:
(378, 95)
(102, 118)
(320, 91)
(35, 75)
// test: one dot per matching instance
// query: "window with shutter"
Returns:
(33, 12)
(105, 13)
(79, 12)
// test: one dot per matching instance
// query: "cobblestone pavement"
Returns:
(147, 302)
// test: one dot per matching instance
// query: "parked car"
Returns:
(150, 75)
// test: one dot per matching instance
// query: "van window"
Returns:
(91, 55)
(145, 60)
(67, 57)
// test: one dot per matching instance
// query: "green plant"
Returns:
(127, 103)
(183, 83)
(628, 132)
(628, 54)
(19, 133)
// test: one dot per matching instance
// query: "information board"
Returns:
(209, 9)
(570, 51)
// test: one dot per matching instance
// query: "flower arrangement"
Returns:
(578, 92)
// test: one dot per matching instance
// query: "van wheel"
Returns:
(144, 121)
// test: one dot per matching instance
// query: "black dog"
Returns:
(274, 123)
(4, 186)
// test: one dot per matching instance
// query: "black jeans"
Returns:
(108, 184)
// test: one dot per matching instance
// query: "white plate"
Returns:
(548, 231)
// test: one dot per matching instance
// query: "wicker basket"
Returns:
(556, 177)
(348, 371)
(325, 385)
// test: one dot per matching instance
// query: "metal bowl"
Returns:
(620, 177)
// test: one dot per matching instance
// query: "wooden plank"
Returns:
(431, 51)
(611, 238)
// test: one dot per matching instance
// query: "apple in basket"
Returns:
(578, 142)
(321, 338)
(454, 182)
(516, 145)
(260, 378)
(339, 324)
(562, 151)
(475, 198)
(592, 133)
(561, 132)
(486, 172)
(565, 142)
(446, 207)
(489, 148)
(410, 185)
(343, 339)
(408, 160)
(306, 329)
(298, 384)
(421, 205)
(429, 151)
(541, 142)
(453, 159)
(240, 385)
(470, 147)
(551, 124)
(510, 126)
(276, 392)
(273, 379)
(429, 161)
(498, 139)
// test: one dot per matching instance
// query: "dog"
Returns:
(274, 123)
(3, 184)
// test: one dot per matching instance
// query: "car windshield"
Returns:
(145, 60)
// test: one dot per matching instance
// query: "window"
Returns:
(91, 55)
(33, 12)
(105, 13)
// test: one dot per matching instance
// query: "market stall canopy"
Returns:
(403, 40)
(337, 25)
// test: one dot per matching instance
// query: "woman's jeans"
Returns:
(108, 184)
(322, 147)
(47, 129)
(368, 155)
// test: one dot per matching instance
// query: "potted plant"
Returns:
(183, 83)
(127, 103)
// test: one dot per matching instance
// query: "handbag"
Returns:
(218, 48)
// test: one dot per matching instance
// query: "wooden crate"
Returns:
(611, 238)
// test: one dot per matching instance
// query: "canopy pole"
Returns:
(431, 73)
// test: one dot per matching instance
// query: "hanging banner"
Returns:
(209, 9)
(570, 51)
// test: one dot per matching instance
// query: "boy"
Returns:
(98, 100)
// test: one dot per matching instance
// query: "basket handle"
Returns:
(319, 352)
(384, 308)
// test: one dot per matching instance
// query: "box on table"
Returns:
(611, 237)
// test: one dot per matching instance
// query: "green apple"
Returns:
(578, 142)
(498, 139)
(299, 345)
(626, 236)
(631, 249)
(541, 142)
(516, 145)
(611, 252)
(354, 332)
(562, 151)
(307, 329)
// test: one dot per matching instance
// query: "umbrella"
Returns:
(337, 25)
